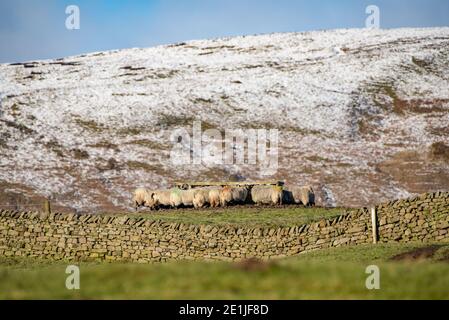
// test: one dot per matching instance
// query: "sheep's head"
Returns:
(150, 200)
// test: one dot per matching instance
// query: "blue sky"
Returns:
(35, 29)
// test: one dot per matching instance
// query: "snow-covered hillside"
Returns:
(358, 112)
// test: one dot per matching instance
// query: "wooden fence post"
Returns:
(374, 224)
(47, 207)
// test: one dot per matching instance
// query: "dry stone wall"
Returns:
(86, 237)
(424, 218)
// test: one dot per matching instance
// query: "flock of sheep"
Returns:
(222, 196)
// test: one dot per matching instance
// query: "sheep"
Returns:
(225, 196)
(307, 196)
(230, 195)
(187, 197)
(201, 198)
(239, 195)
(150, 201)
(145, 198)
(287, 197)
(162, 198)
(292, 194)
(175, 198)
(266, 195)
(214, 198)
(178, 198)
(300, 195)
(139, 197)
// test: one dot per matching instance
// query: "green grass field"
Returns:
(327, 274)
(243, 216)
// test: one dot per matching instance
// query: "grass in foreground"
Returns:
(243, 216)
(327, 274)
